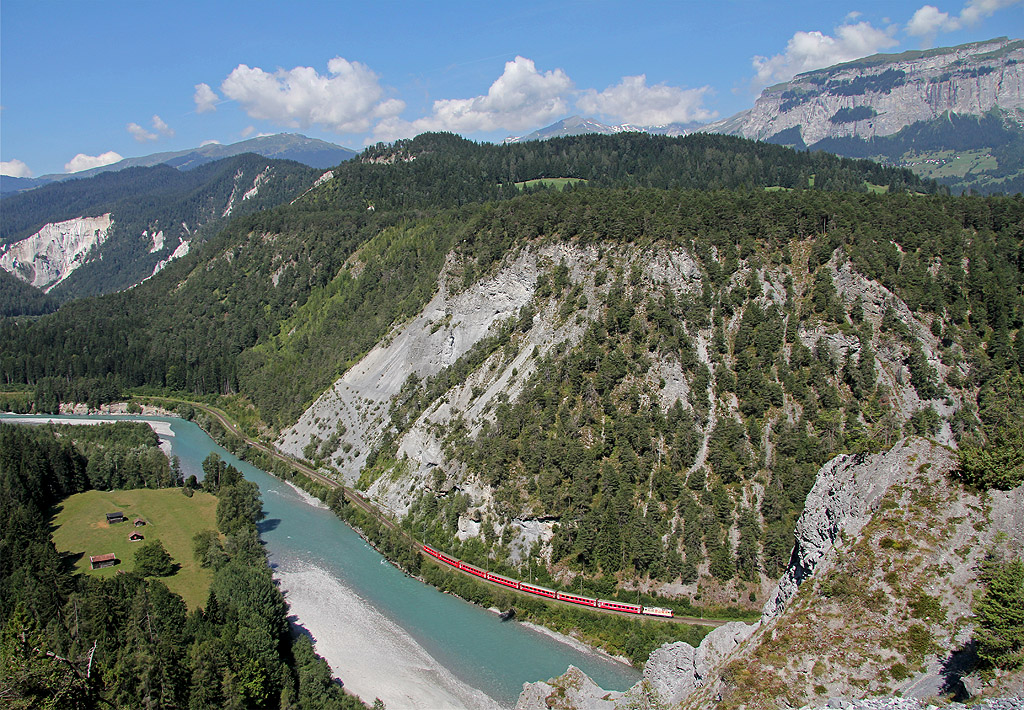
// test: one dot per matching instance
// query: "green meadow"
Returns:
(80, 529)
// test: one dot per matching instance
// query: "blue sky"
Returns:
(83, 82)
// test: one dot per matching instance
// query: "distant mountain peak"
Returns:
(581, 125)
(282, 146)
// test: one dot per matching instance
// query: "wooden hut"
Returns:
(100, 561)
(138, 522)
(135, 536)
(117, 517)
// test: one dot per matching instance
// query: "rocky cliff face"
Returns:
(50, 255)
(879, 95)
(844, 497)
(889, 550)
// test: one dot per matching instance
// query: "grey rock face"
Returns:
(847, 489)
(573, 689)
(967, 80)
(676, 670)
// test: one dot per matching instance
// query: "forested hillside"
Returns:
(699, 326)
(153, 210)
(267, 265)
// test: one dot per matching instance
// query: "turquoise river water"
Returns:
(473, 644)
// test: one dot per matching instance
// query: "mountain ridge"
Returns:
(283, 146)
(152, 214)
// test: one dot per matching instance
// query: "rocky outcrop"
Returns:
(51, 254)
(846, 491)
(675, 670)
(444, 331)
(671, 674)
(573, 690)
(880, 95)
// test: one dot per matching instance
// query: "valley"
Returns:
(703, 373)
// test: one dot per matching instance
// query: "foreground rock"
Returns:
(573, 689)
(675, 670)
(846, 492)
(876, 602)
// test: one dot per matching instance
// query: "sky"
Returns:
(86, 82)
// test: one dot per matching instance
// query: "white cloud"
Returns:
(159, 125)
(807, 51)
(348, 99)
(141, 134)
(632, 101)
(248, 131)
(976, 10)
(85, 162)
(206, 98)
(520, 98)
(211, 141)
(14, 168)
(929, 21)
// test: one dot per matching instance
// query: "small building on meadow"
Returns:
(100, 561)
(139, 522)
(135, 536)
(117, 517)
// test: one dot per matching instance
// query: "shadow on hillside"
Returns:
(955, 668)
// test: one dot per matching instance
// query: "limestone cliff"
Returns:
(881, 94)
(50, 255)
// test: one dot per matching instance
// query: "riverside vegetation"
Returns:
(75, 641)
(671, 443)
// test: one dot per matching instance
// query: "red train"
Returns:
(544, 591)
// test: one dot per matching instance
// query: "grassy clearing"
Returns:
(950, 163)
(557, 183)
(80, 529)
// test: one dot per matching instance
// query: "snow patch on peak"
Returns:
(50, 255)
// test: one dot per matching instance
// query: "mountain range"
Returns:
(955, 114)
(283, 146)
(111, 231)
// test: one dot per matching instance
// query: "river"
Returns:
(385, 634)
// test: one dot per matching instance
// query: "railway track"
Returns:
(356, 499)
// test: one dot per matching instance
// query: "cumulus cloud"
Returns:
(348, 99)
(206, 98)
(520, 98)
(141, 134)
(159, 125)
(14, 168)
(632, 101)
(976, 10)
(85, 162)
(807, 51)
(929, 21)
(211, 141)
